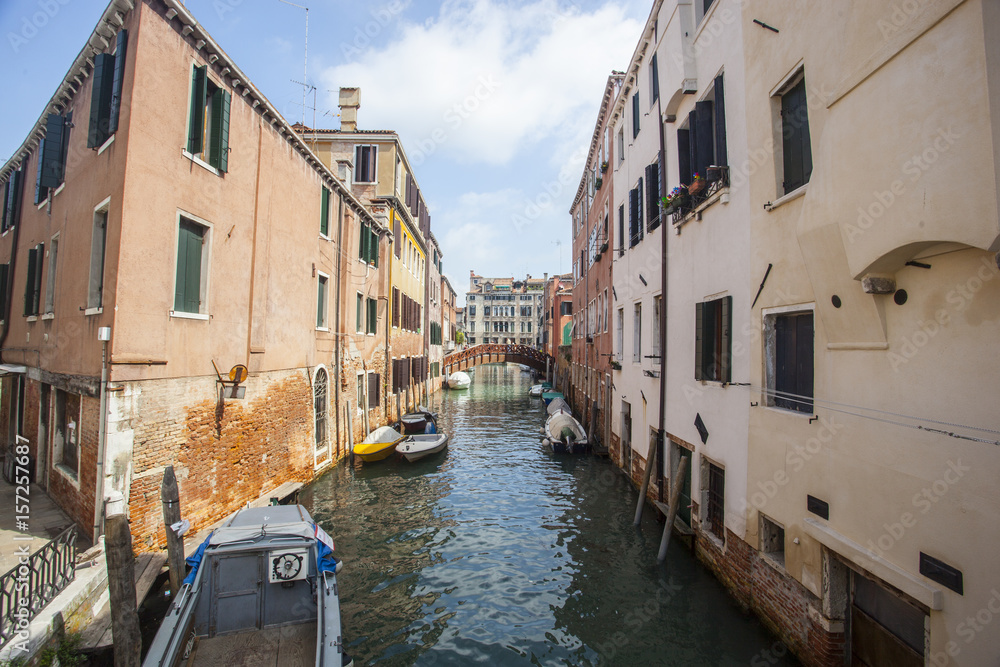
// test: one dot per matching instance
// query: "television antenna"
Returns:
(305, 59)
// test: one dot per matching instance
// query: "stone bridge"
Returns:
(494, 353)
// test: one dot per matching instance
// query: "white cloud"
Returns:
(485, 82)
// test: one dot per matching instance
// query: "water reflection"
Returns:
(495, 552)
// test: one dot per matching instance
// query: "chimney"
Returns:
(350, 102)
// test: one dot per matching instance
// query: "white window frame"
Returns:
(326, 306)
(103, 208)
(354, 176)
(206, 263)
(49, 303)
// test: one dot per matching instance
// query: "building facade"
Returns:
(504, 310)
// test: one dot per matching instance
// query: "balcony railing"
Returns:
(32, 584)
(717, 179)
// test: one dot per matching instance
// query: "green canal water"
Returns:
(495, 552)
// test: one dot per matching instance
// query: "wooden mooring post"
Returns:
(650, 462)
(350, 433)
(121, 588)
(675, 495)
(170, 497)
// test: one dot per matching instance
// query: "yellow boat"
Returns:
(379, 444)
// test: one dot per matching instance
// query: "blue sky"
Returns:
(495, 102)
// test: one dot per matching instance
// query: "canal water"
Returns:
(495, 552)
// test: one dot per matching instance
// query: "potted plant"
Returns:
(678, 200)
(616, 365)
(604, 166)
(598, 183)
(697, 185)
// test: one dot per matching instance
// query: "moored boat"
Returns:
(418, 446)
(536, 390)
(558, 405)
(547, 396)
(417, 422)
(459, 380)
(379, 444)
(263, 588)
(565, 435)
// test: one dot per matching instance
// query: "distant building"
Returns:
(504, 310)
(557, 313)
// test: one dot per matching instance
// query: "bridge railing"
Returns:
(521, 352)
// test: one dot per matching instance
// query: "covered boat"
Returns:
(547, 396)
(418, 421)
(565, 435)
(379, 444)
(263, 590)
(418, 446)
(558, 405)
(536, 390)
(459, 380)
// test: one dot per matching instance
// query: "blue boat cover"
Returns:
(194, 560)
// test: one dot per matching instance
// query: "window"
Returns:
(621, 144)
(4, 282)
(50, 283)
(790, 381)
(359, 310)
(635, 114)
(604, 313)
(98, 243)
(654, 80)
(324, 214)
(701, 8)
(653, 196)
(657, 352)
(566, 308)
(772, 540)
(620, 335)
(621, 230)
(192, 268)
(713, 340)
(374, 386)
(105, 101)
(637, 333)
(371, 327)
(322, 299)
(208, 123)
(10, 205)
(716, 500)
(52, 155)
(368, 244)
(33, 285)
(702, 143)
(361, 392)
(321, 402)
(66, 433)
(795, 144)
(635, 224)
(365, 162)
(395, 307)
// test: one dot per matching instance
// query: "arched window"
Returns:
(320, 406)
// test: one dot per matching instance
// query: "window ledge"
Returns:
(794, 194)
(107, 143)
(793, 413)
(59, 189)
(774, 561)
(48, 316)
(198, 161)
(69, 474)
(323, 329)
(189, 316)
(324, 237)
(93, 311)
(32, 318)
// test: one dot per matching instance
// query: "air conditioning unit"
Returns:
(291, 565)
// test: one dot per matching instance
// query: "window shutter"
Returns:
(654, 71)
(101, 94)
(221, 135)
(52, 151)
(187, 293)
(699, 341)
(684, 157)
(5, 214)
(395, 307)
(397, 234)
(784, 361)
(653, 195)
(721, 157)
(359, 323)
(703, 137)
(726, 334)
(373, 387)
(635, 115)
(640, 225)
(324, 211)
(320, 297)
(804, 359)
(374, 247)
(4, 284)
(121, 47)
(41, 192)
(621, 230)
(199, 93)
(36, 294)
(633, 235)
(796, 148)
(30, 282)
(14, 203)
(362, 241)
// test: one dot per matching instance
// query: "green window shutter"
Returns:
(36, 292)
(321, 303)
(699, 340)
(119, 78)
(29, 284)
(41, 192)
(324, 215)
(14, 201)
(360, 322)
(219, 150)
(100, 100)
(363, 239)
(372, 316)
(727, 340)
(187, 294)
(51, 171)
(199, 94)
(8, 187)
(374, 248)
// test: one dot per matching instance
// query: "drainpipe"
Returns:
(104, 335)
(663, 304)
(338, 335)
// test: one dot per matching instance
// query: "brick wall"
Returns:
(74, 497)
(224, 455)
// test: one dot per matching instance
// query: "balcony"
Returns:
(698, 196)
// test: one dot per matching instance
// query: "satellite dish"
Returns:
(239, 373)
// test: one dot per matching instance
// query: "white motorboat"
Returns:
(558, 405)
(418, 446)
(459, 380)
(536, 390)
(565, 435)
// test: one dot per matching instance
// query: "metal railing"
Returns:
(36, 581)
(718, 179)
(473, 355)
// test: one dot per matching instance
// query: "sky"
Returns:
(495, 101)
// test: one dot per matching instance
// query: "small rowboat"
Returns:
(565, 435)
(379, 444)
(558, 405)
(536, 390)
(547, 396)
(459, 380)
(416, 447)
